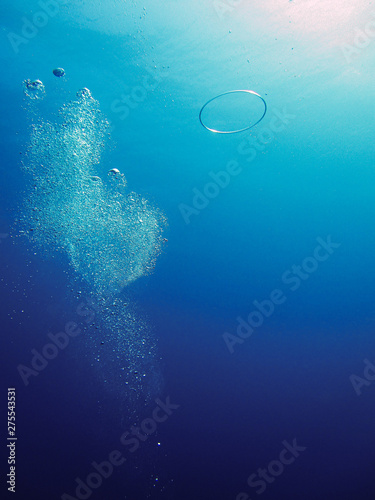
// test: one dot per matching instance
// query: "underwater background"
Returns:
(188, 315)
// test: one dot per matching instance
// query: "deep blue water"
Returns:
(292, 223)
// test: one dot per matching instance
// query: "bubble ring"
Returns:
(233, 131)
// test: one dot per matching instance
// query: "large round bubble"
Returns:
(232, 112)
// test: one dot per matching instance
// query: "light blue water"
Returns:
(199, 233)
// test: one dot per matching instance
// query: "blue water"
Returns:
(140, 281)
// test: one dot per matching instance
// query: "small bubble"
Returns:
(59, 72)
(84, 93)
(113, 171)
(34, 89)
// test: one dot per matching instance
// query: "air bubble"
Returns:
(232, 112)
(84, 93)
(34, 89)
(59, 72)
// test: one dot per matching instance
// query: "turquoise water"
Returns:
(183, 306)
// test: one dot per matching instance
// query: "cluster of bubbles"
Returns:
(111, 235)
(125, 352)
